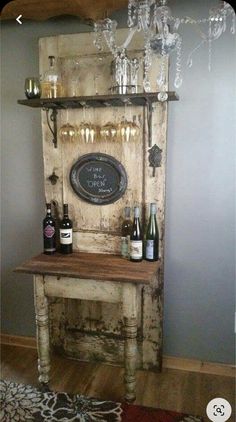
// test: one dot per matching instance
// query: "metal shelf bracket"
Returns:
(52, 123)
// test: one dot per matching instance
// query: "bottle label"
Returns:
(66, 236)
(49, 231)
(136, 249)
(150, 249)
(125, 246)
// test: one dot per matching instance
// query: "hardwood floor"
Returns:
(172, 389)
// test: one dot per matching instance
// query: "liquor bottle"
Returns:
(49, 232)
(65, 232)
(51, 84)
(136, 238)
(125, 233)
(152, 236)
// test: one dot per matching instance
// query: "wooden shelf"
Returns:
(91, 266)
(97, 101)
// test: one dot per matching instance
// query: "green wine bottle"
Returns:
(152, 236)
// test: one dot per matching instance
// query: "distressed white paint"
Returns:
(97, 228)
(42, 329)
(105, 291)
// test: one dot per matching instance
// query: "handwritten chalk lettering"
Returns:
(104, 190)
(96, 184)
(94, 169)
(99, 176)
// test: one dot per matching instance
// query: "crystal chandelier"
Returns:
(153, 18)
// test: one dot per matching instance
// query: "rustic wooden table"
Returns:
(99, 277)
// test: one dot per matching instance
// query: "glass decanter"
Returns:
(51, 84)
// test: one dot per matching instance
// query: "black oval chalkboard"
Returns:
(98, 178)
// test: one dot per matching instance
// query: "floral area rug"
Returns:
(23, 403)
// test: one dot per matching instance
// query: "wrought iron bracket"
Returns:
(52, 123)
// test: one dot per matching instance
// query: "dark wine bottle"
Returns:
(152, 236)
(49, 232)
(125, 233)
(65, 232)
(136, 239)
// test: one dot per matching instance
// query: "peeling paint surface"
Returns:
(90, 330)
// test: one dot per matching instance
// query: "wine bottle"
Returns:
(65, 232)
(125, 233)
(136, 238)
(49, 232)
(152, 236)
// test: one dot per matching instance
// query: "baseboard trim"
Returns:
(170, 362)
(195, 365)
(20, 341)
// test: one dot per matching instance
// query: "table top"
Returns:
(91, 266)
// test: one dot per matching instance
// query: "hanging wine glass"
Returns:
(93, 133)
(125, 128)
(83, 130)
(67, 131)
(73, 82)
(108, 132)
(128, 129)
(87, 131)
(135, 129)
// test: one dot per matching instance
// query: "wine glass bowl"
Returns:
(88, 132)
(93, 133)
(128, 131)
(108, 132)
(135, 130)
(32, 88)
(68, 133)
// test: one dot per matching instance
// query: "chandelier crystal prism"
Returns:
(160, 36)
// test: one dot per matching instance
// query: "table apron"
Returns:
(72, 288)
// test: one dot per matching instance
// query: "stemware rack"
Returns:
(52, 105)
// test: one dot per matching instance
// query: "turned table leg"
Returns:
(42, 327)
(130, 331)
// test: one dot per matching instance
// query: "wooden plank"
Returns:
(104, 291)
(98, 100)
(173, 390)
(94, 242)
(91, 266)
(97, 228)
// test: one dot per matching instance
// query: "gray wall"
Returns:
(200, 249)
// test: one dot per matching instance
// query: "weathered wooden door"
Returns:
(90, 330)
